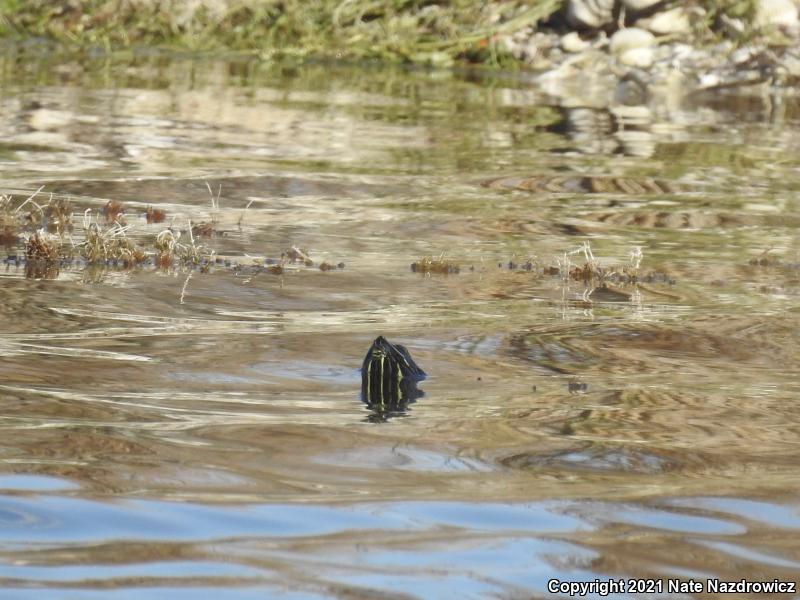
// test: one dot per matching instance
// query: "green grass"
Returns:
(436, 32)
(421, 31)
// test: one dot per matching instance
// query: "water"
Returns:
(173, 433)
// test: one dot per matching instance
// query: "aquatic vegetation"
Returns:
(43, 247)
(765, 260)
(165, 243)
(9, 237)
(114, 210)
(155, 215)
(438, 265)
(58, 215)
(109, 245)
(295, 255)
(204, 229)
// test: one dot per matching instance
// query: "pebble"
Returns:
(641, 58)
(633, 47)
(573, 43)
(675, 20)
(590, 14)
(593, 14)
(630, 38)
(777, 13)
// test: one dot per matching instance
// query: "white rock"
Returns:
(742, 55)
(776, 13)
(709, 80)
(632, 37)
(572, 42)
(637, 57)
(590, 13)
(675, 20)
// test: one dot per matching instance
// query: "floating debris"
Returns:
(325, 266)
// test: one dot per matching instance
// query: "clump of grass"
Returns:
(155, 215)
(764, 259)
(9, 224)
(326, 266)
(9, 237)
(438, 265)
(193, 254)
(591, 273)
(43, 247)
(114, 211)
(297, 255)
(165, 243)
(203, 229)
(58, 215)
(112, 244)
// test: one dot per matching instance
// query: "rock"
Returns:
(633, 47)
(593, 14)
(627, 39)
(572, 42)
(777, 13)
(743, 55)
(675, 20)
(637, 57)
(710, 80)
(730, 26)
(590, 14)
(631, 91)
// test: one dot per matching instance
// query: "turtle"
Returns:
(389, 376)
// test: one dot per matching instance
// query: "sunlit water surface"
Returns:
(178, 434)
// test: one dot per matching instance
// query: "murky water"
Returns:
(174, 433)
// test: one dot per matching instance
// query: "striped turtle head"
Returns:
(389, 376)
